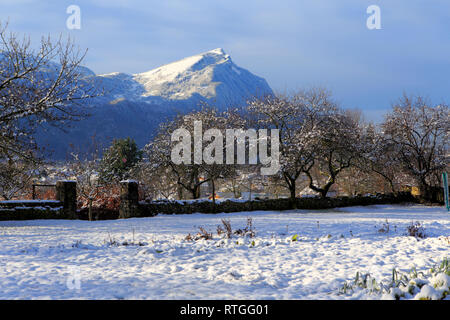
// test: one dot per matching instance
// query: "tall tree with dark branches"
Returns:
(420, 133)
(191, 176)
(309, 126)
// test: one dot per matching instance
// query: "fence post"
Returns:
(66, 192)
(129, 199)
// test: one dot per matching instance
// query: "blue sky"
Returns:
(292, 44)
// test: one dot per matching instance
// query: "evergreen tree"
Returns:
(119, 159)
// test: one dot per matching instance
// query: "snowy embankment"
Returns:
(150, 258)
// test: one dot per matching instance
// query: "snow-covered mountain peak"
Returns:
(219, 54)
(199, 75)
(169, 72)
(211, 75)
(217, 51)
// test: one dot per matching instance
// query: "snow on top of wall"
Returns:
(129, 180)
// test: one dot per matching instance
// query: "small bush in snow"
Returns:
(227, 230)
(385, 228)
(247, 231)
(224, 230)
(112, 242)
(416, 230)
(201, 234)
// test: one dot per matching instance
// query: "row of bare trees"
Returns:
(319, 141)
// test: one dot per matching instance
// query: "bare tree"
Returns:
(158, 152)
(379, 155)
(190, 176)
(16, 177)
(38, 86)
(304, 124)
(85, 169)
(156, 182)
(420, 134)
(233, 185)
(336, 146)
(276, 186)
(279, 112)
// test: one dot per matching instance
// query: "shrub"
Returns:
(201, 234)
(416, 230)
(247, 231)
(224, 229)
(228, 231)
(385, 228)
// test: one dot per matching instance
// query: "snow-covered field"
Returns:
(56, 259)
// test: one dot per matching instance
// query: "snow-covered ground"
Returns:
(61, 259)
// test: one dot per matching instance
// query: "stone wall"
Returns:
(63, 207)
(131, 207)
(148, 209)
(31, 209)
(129, 199)
(66, 192)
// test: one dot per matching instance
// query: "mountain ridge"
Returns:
(180, 80)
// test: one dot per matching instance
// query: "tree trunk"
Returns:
(195, 191)
(292, 191)
(213, 194)
(90, 210)
(235, 191)
(425, 190)
(291, 183)
(324, 192)
(391, 184)
(180, 192)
